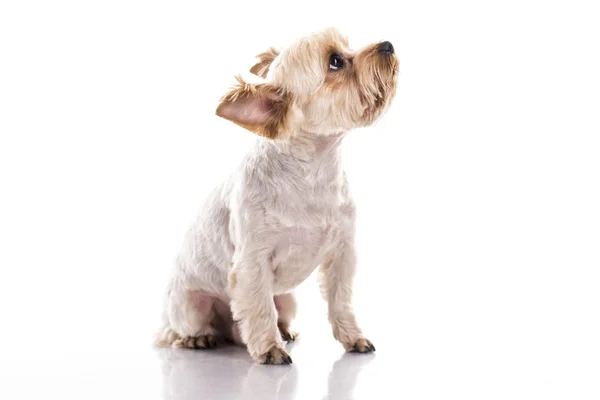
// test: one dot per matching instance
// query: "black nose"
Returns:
(386, 47)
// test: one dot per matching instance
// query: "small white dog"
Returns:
(287, 209)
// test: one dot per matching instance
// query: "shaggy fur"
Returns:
(287, 209)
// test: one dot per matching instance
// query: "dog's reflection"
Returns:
(344, 374)
(228, 373)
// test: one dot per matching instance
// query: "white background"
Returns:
(478, 196)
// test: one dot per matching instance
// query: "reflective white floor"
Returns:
(230, 374)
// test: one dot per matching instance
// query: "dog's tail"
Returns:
(165, 337)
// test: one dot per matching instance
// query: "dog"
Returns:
(287, 209)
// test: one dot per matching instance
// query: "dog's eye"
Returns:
(335, 62)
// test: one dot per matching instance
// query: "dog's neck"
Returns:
(310, 148)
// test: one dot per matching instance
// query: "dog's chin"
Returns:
(319, 132)
(376, 113)
(384, 98)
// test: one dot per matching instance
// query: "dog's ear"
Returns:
(261, 108)
(264, 62)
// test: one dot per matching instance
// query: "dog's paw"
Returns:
(287, 334)
(362, 345)
(196, 342)
(276, 355)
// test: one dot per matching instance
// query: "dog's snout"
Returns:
(386, 47)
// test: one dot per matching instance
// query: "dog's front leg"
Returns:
(335, 278)
(251, 290)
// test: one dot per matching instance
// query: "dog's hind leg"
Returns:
(188, 320)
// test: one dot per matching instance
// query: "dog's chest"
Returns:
(299, 250)
(304, 208)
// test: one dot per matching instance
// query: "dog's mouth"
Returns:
(378, 82)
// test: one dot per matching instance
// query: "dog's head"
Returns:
(316, 85)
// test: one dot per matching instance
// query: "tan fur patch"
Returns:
(265, 59)
(364, 86)
(232, 280)
(267, 101)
